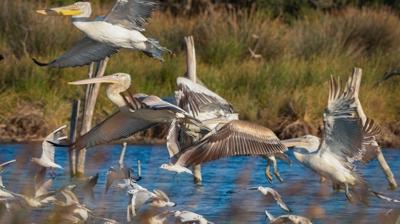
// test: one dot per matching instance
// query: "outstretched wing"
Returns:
(120, 125)
(195, 98)
(82, 53)
(233, 139)
(131, 14)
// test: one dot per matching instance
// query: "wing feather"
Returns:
(82, 53)
(131, 14)
(233, 139)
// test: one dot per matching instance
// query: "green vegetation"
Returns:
(288, 83)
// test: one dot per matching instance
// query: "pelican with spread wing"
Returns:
(120, 28)
(135, 113)
(344, 140)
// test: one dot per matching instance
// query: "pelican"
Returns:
(277, 197)
(136, 113)
(234, 138)
(140, 196)
(344, 135)
(216, 114)
(47, 158)
(122, 27)
(287, 219)
(41, 195)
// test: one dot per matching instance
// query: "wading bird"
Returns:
(136, 113)
(120, 28)
(287, 219)
(344, 138)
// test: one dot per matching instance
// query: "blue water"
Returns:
(301, 188)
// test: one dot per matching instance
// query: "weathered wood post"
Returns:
(191, 74)
(122, 155)
(72, 136)
(92, 91)
(386, 169)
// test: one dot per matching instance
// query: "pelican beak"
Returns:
(293, 142)
(70, 10)
(105, 79)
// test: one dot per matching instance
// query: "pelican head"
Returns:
(308, 142)
(120, 82)
(78, 9)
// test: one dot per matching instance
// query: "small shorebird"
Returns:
(287, 219)
(277, 197)
(120, 28)
(47, 158)
(140, 196)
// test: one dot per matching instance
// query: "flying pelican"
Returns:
(120, 28)
(234, 138)
(214, 112)
(344, 135)
(178, 217)
(140, 196)
(287, 219)
(136, 113)
(277, 197)
(47, 158)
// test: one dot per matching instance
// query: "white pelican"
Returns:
(344, 137)
(287, 219)
(120, 28)
(140, 196)
(47, 158)
(215, 113)
(136, 113)
(277, 197)
(178, 217)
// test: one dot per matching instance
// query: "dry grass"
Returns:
(288, 83)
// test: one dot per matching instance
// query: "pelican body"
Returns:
(120, 28)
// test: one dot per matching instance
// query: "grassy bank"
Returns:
(288, 84)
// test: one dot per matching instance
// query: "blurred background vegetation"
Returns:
(271, 59)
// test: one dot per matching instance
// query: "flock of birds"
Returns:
(203, 127)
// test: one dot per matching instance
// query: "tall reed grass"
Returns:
(288, 83)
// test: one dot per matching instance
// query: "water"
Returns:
(301, 188)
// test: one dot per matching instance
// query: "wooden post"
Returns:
(122, 155)
(92, 91)
(191, 74)
(386, 169)
(72, 136)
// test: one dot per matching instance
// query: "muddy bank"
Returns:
(30, 125)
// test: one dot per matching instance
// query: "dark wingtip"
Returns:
(39, 63)
(60, 145)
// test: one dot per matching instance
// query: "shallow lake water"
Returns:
(301, 188)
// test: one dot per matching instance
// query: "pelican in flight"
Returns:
(136, 113)
(122, 27)
(345, 136)
(226, 135)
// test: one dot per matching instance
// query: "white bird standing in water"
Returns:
(120, 28)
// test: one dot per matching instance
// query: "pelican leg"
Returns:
(128, 213)
(276, 172)
(347, 192)
(267, 171)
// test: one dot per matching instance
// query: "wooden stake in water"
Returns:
(191, 74)
(139, 168)
(72, 136)
(92, 91)
(386, 169)
(122, 156)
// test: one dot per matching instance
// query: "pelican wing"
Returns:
(155, 102)
(172, 139)
(277, 197)
(131, 14)
(195, 98)
(82, 53)
(120, 125)
(48, 148)
(43, 188)
(233, 139)
(342, 125)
